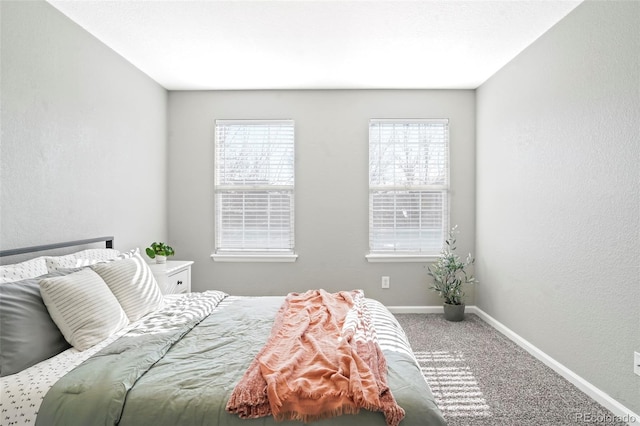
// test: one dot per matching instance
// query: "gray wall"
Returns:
(331, 187)
(558, 186)
(83, 147)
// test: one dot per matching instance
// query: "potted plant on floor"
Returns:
(449, 275)
(159, 252)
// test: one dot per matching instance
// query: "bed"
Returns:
(87, 332)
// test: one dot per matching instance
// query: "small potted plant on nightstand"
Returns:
(449, 275)
(159, 252)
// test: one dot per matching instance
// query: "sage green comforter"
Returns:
(185, 374)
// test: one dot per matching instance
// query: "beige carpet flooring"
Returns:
(480, 377)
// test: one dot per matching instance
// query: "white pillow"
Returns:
(84, 258)
(83, 307)
(128, 254)
(24, 270)
(97, 254)
(56, 263)
(133, 284)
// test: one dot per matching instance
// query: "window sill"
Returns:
(379, 258)
(236, 257)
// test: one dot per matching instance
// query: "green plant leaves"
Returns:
(159, 249)
(449, 273)
(150, 252)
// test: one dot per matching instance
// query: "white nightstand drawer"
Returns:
(178, 282)
(174, 276)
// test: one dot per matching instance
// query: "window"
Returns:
(254, 189)
(408, 188)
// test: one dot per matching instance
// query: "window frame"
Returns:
(394, 255)
(265, 254)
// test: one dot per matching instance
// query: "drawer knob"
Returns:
(179, 282)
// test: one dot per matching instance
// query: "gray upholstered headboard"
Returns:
(12, 252)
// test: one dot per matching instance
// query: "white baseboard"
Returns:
(415, 309)
(618, 410)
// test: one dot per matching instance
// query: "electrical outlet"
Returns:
(385, 282)
(636, 363)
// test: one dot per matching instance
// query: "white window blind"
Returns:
(408, 186)
(254, 186)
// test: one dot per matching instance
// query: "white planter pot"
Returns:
(161, 259)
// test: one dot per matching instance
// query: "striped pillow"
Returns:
(133, 284)
(83, 308)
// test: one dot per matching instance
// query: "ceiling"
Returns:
(317, 44)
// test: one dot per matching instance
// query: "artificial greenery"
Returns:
(449, 272)
(159, 249)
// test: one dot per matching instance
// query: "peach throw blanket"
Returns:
(321, 360)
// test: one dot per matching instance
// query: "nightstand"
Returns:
(173, 277)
